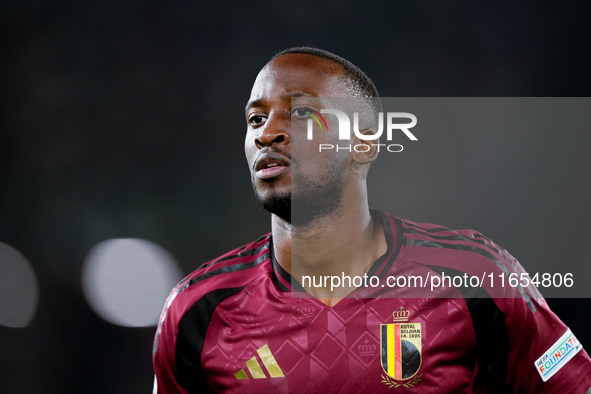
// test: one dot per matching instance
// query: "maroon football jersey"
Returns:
(234, 325)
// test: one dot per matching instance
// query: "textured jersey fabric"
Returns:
(234, 325)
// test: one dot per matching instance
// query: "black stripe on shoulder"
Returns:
(414, 229)
(473, 249)
(479, 239)
(391, 243)
(186, 283)
(191, 337)
(227, 269)
(429, 230)
(242, 252)
(492, 334)
(518, 268)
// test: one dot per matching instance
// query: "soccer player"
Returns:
(234, 324)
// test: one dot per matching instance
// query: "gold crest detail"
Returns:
(394, 385)
(401, 315)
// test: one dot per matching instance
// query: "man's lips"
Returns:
(269, 165)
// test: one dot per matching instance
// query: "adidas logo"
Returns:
(255, 369)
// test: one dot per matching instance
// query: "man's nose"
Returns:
(275, 131)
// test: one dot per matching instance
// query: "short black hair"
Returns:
(362, 88)
(361, 81)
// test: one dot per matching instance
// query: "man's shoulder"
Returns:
(234, 260)
(431, 235)
(199, 293)
(437, 231)
(229, 272)
(466, 250)
(469, 255)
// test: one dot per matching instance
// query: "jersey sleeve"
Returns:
(164, 351)
(545, 356)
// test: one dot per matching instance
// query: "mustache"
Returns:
(270, 151)
(275, 149)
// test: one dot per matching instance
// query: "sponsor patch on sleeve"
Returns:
(557, 355)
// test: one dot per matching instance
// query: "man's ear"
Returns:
(365, 151)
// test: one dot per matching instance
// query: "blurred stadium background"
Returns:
(121, 133)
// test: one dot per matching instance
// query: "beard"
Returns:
(308, 200)
(278, 204)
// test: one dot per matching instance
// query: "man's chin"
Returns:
(302, 210)
(277, 205)
(297, 214)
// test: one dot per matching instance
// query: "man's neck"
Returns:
(346, 242)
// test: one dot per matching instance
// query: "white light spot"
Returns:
(19, 290)
(126, 281)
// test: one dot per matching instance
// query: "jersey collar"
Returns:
(393, 233)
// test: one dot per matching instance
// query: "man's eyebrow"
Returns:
(294, 94)
(253, 103)
(284, 96)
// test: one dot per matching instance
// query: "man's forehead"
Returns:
(298, 75)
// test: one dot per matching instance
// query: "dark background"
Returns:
(125, 119)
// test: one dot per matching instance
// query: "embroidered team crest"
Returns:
(401, 354)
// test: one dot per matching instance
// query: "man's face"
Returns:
(284, 165)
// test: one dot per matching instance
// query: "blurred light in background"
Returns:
(19, 289)
(126, 281)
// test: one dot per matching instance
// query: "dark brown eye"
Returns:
(300, 112)
(256, 120)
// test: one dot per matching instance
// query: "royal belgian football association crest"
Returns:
(401, 353)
